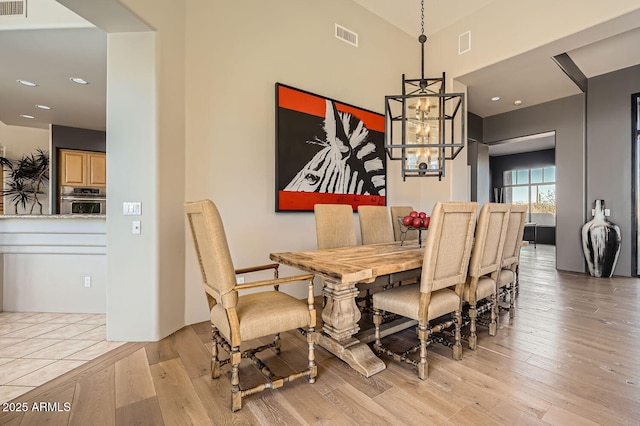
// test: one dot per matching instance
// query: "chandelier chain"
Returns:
(422, 16)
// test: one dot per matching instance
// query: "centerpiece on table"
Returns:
(414, 220)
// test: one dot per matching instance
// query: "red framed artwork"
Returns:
(327, 152)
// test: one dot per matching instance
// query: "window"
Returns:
(535, 188)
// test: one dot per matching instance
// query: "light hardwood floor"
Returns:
(570, 357)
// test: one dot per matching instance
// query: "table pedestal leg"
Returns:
(341, 316)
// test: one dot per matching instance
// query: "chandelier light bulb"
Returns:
(423, 131)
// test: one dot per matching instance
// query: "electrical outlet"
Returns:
(135, 227)
(87, 281)
(607, 212)
(239, 280)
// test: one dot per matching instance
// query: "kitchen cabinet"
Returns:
(82, 168)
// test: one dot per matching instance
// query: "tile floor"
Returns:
(38, 347)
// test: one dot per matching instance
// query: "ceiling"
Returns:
(49, 56)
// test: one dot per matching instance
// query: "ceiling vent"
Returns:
(346, 35)
(464, 42)
(13, 8)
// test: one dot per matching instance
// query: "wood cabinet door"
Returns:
(72, 168)
(97, 170)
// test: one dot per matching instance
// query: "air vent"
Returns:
(464, 42)
(13, 8)
(346, 35)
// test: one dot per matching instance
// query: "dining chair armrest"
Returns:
(257, 268)
(274, 282)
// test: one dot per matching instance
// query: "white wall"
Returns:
(45, 262)
(145, 145)
(133, 290)
(18, 141)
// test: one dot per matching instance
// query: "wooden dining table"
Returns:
(343, 270)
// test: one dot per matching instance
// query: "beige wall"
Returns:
(191, 115)
(506, 28)
(235, 55)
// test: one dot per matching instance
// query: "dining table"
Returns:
(344, 270)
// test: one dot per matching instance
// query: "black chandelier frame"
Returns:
(451, 112)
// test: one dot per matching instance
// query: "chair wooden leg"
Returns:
(215, 362)
(512, 300)
(457, 347)
(313, 368)
(423, 366)
(276, 342)
(493, 325)
(236, 395)
(473, 337)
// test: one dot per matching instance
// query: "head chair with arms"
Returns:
(236, 318)
(444, 270)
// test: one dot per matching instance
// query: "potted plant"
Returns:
(23, 179)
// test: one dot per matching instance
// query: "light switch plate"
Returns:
(132, 208)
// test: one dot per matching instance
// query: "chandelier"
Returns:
(424, 126)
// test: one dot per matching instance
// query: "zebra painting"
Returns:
(347, 163)
(343, 146)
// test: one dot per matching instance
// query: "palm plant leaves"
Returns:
(24, 177)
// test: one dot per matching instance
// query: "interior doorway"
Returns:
(523, 171)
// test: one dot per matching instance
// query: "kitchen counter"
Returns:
(53, 216)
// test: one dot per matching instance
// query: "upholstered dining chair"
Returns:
(334, 226)
(402, 211)
(484, 266)
(375, 225)
(508, 278)
(235, 318)
(447, 250)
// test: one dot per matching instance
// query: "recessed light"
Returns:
(79, 80)
(27, 83)
(43, 107)
(517, 103)
(29, 117)
(495, 98)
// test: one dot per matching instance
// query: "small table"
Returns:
(535, 233)
(343, 269)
